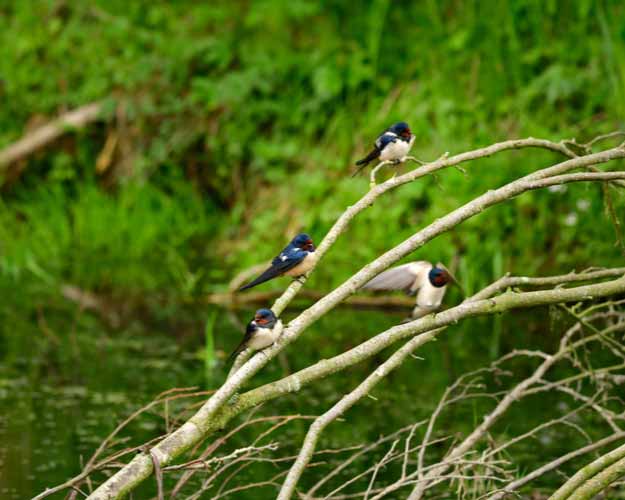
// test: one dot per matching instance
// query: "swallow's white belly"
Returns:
(429, 299)
(396, 150)
(430, 296)
(302, 268)
(264, 337)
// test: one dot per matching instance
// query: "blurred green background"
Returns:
(226, 128)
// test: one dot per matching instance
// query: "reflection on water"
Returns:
(55, 418)
(54, 412)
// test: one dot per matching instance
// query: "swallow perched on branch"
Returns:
(295, 260)
(421, 278)
(261, 332)
(393, 145)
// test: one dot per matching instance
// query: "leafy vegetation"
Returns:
(237, 123)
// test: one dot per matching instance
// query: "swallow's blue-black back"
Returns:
(294, 253)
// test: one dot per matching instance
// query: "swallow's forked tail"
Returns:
(240, 348)
(366, 160)
(270, 273)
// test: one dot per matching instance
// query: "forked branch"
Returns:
(219, 408)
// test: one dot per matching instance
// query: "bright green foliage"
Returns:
(241, 123)
(264, 112)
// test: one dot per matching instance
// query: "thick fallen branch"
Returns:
(517, 300)
(44, 135)
(515, 485)
(216, 411)
(245, 300)
(464, 463)
(426, 326)
(594, 477)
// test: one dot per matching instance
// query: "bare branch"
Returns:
(222, 406)
(593, 478)
(44, 135)
(554, 464)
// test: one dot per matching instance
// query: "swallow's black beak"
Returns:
(455, 281)
(452, 278)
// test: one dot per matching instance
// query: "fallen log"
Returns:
(244, 299)
(44, 135)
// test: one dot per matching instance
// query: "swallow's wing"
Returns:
(249, 332)
(288, 259)
(375, 152)
(380, 143)
(405, 277)
(430, 296)
(384, 140)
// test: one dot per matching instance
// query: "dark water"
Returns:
(56, 406)
(51, 420)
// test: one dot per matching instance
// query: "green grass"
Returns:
(242, 130)
(141, 248)
(238, 125)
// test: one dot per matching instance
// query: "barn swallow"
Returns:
(428, 282)
(295, 260)
(261, 332)
(393, 145)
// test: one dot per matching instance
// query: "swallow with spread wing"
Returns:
(421, 278)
